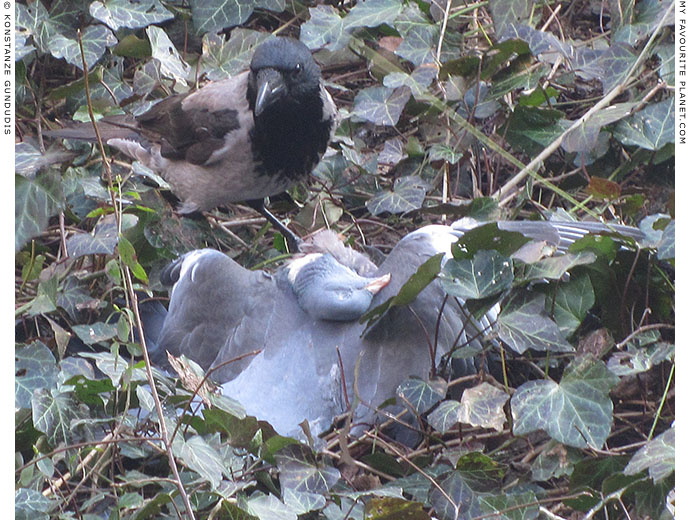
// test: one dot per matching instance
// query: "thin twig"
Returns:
(132, 294)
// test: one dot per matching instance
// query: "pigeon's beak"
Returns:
(270, 88)
(378, 283)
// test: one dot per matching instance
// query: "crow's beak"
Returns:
(270, 88)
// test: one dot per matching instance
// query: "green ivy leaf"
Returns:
(35, 202)
(486, 274)
(419, 36)
(657, 456)
(445, 416)
(380, 105)
(524, 324)
(420, 394)
(300, 471)
(223, 58)
(577, 411)
(30, 504)
(210, 16)
(95, 39)
(201, 457)
(103, 240)
(407, 195)
(53, 413)
(164, 52)
(572, 302)
(35, 368)
(651, 128)
(465, 503)
(507, 12)
(129, 13)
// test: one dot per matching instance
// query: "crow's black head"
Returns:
(283, 73)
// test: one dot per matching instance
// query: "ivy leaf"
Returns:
(553, 268)
(523, 324)
(209, 16)
(393, 152)
(302, 503)
(649, 14)
(507, 12)
(372, 13)
(96, 332)
(585, 137)
(482, 406)
(129, 13)
(103, 241)
(115, 366)
(420, 36)
(572, 302)
(612, 65)
(30, 504)
(577, 411)
(465, 503)
(486, 274)
(487, 237)
(35, 202)
(512, 506)
(164, 52)
(637, 360)
(380, 105)
(423, 276)
(657, 456)
(53, 413)
(542, 43)
(221, 59)
(268, 507)
(443, 152)
(407, 195)
(445, 416)
(324, 29)
(667, 247)
(28, 159)
(201, 457)
(418, 80)
(651, 128)
(422, 395)
(34, 368)
(300, 471)
(95, 39)
(37, 22)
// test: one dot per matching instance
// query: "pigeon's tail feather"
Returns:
(112, 127)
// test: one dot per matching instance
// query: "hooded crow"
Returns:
(240, 139)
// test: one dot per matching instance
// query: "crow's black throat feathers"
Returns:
(292, 127)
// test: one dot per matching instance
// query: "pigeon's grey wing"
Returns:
(207, 303)
(296, 375)
(569, 232)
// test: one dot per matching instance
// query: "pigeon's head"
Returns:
(329, 290)
(282, 73)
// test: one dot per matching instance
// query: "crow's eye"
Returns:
(297, 69)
